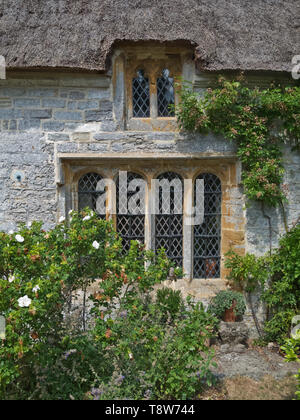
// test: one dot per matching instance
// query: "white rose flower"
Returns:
(19, 238)
(11, 279)
(24, 302)
(11, 232)
(62, 219)
(96, 245)
(36, 289)
(86, 218)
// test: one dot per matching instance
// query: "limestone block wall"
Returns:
(55, 103)
(39, 112)
(48, 119)
(44, 116)
(27, 180)
(266, 227)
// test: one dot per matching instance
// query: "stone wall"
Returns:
(48, 117)
(55, 103)
(45, 115)
(39, 113)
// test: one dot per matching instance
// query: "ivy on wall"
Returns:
(260, 121)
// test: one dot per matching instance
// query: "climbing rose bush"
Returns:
(259, 121)
(141, 343)
(38, 272)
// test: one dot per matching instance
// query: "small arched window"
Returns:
(207, 237)
(130, 203)
(169, 217)
(141, 96)
(91, 192)
(165, 94)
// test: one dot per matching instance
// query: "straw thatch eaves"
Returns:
(80, 34)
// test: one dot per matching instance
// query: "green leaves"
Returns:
(291, 349)
(248, 272)
(142, 343)
(224, 300)
(276, 277)
(259, 121)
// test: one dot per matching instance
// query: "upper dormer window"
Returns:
(144, 80)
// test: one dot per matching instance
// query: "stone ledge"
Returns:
(234, 333)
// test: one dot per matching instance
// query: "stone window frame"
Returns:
(225, 169)
(152, 58)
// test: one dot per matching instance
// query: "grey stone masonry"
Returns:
(45, 117)
(51, 104)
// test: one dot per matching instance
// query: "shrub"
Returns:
(142, 342)
(282, 294)
(157, 359)
(247, 272)
(224, 299)
(157, 342)
(169, 302)
(38, 272)
(292, 351)
(278, 276)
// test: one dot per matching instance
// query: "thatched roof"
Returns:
(80, 34)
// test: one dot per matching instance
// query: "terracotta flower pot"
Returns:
(229, 314)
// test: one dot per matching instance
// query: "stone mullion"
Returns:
(153, 96)
(151, 214)
(111, 200)
(187, 230)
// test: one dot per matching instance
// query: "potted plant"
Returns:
(228, 305)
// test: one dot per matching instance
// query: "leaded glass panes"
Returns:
(207, 237)
(169, 220)
(90, 193)
(130, 203)
(165, 94)
(141, 96)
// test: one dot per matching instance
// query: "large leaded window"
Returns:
(130, 208)
(91, 192)
(165, 227)
(169, 220)
(207, 237)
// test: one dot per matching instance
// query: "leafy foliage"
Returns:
(258, 120)
(292, 350)
(247, 272)
(42, 269)
(224, 300)
(278, 276)
(141, 342)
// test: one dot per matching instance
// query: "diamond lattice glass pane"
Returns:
(169, 224)
(130, 226)
(90, 192)
(207, 237)
(170, 193)
(141, 96)
(165, 94)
